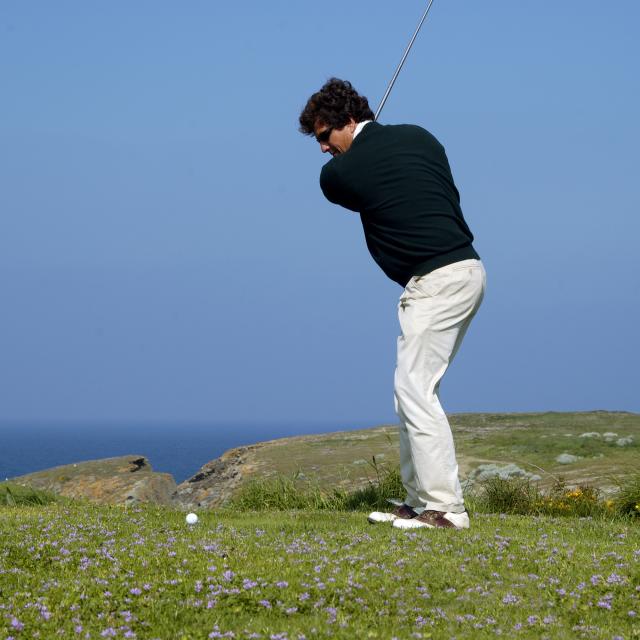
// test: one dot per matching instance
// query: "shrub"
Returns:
(627, 502)
(583, 501)
(506, 495)
(520, 496)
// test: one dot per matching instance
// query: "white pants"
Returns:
(435, 311)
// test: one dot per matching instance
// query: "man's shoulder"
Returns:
(401, 132)
(409, 130)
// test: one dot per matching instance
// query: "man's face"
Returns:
(334, 141)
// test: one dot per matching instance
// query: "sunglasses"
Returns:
(323, 136)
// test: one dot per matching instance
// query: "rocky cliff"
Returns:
(121, 480)
(216, 481)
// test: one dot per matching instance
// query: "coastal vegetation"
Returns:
(300, 570)
(553, 550)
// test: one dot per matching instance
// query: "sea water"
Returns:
(178, 449)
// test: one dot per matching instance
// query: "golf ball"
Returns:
(192, 518)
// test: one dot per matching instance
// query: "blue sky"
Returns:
(166, 253)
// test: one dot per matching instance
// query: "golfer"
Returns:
(398, 178)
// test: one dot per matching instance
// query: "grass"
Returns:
(529, 440)
(85, 571)
(12, 494)
(628, 499)
(495, 495)
(289, 560)
(295, 491)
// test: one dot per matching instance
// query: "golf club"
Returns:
(404, 57)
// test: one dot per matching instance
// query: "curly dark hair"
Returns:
(334, 105)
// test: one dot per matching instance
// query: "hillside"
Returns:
(592, 447)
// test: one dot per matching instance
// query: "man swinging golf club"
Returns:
(398, 178)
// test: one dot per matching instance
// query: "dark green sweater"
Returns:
(398, 178)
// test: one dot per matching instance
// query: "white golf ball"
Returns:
(192, 518)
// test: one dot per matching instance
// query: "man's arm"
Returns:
(335, 190)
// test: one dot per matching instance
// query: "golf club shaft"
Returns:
(404, 57)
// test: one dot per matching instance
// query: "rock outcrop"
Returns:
(216, 481)
(121, 480)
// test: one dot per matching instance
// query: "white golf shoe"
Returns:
(401, 512)
(435, 520)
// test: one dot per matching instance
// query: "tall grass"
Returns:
(295, 492)
(15, 495)
(522, 497)
(628, 498)
(495, 495)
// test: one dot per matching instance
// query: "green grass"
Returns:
(284, 492)
(495, 495)
(12, 494)
(532, 441)
(628, 499)
(293, 558)
(143, 573)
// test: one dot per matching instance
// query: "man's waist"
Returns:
(442, 260)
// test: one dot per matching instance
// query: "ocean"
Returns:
(176, 449)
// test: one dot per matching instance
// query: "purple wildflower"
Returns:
(16, 624)
(509, 599)
(333, 613)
